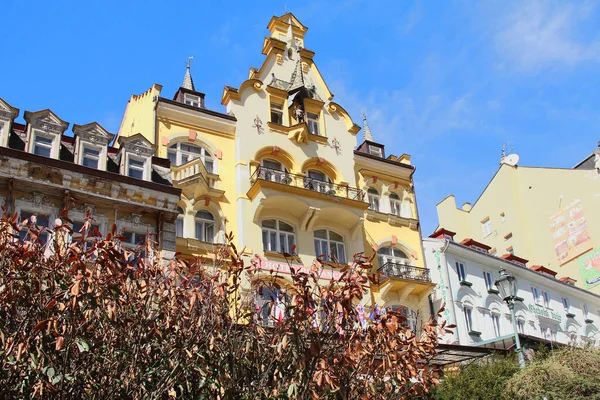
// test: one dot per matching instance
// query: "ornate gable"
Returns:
(7, 111)
(138, 145)
(46, 121)
(93, 133)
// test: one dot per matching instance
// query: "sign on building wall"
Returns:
(570, 233)
(589, 265)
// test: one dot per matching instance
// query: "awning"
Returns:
(454, 353)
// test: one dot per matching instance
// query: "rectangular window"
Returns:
(536, 295)
(133, 238)
(468, 312)
(91, 157)
(521, 325)
(41, 221)
(191, 100)
(460, 269)
(566, 303)
(277, 113)
(179, 226)
(313, 123)
(496, 323)
(42, 145)
(486, 225)
(546, 298)
(375, 151)
(489, 282)
(585, 311)
(135, 169)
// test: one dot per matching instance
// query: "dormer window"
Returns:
(135, 168)
(90, 157)
(42, 144)
(375, 151)
(191, 100)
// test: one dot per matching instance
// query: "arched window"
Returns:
(272, 170)
(395, 204)
(318, 181)
(270, 304)
(179, 222)
(496, 321)
(277, 236)
(392, 255)
(205, 226)
(409, 314)
(330, 245)
(181, 153)
(373, 199)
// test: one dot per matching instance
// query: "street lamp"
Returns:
(507, 285)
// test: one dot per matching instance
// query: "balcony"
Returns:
(304, 186)
(194, 180)
(402, 271)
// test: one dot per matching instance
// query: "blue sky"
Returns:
(447, 82)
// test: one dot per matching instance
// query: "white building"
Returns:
(547, 310)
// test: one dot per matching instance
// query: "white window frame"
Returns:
(375, 150)
(374, 198)
(521, 324)
(383, 259)
(192, 100)
(272, 174)
(461, 271)
(496, 322)
(205, 223)
(39, 133)
(175, 155)
(486, 226)
(546, 298)
(100, 149)
(276, 108)
(328, 242)
(489, 280)
(468, 315)
(535, 292)
(312, 121)
(37, 213)
(566, 304)
(144, 167)
(278, 246)
(318, 184)
(395, 204)
(586, 311)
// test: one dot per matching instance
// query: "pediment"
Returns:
(7, 111)
(137, 144)
(94, 133)
(46, 120)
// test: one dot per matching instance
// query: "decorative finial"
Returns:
(188, 82)
(366, 131)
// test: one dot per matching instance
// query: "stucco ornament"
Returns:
(258, 124)
(335, 144)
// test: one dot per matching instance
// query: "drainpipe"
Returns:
(445, 271)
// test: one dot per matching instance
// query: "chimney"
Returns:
(467, 207)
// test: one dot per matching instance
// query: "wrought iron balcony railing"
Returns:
(398, 270)
(301, 181)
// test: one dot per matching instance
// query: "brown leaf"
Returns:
(59, 342)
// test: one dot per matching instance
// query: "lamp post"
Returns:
(507, 286)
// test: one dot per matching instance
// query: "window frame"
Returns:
(205, 223)
(546, 298)
(287, 247)
(375, 151)
(38, 213)
(374, 199)
(87, 146)
(189, 99)
(461, 271)
(395, 204)
(468, 316)
(566, 303)
(392, 258)
(328, 242)
(486, 226)
(180, 223)
(39, 133)
(278, 110)
(175, 155)
(535, 292)
(143, 168)
(496, 322)
(488, 285)
(314, 123)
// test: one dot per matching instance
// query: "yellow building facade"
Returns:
(548, 216)
(281, 168)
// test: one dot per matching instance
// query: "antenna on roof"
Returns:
(507, 157)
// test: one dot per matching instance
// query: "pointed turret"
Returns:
(366, 130)
(188, 82)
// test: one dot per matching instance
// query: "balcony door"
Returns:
(274, 171)
(392, 260)
(318, 181)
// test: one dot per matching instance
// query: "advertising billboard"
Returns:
(570, 234)
(589, 265)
